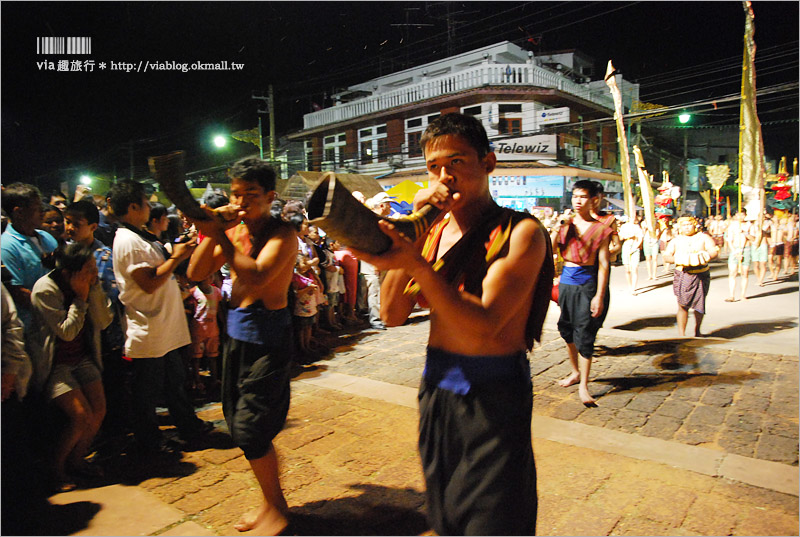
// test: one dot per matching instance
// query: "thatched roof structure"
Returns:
(300, 184)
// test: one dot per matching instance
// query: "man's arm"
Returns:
(396, 306)
(509, 281)
(14, 358)
(598, 301)
(206, 260)
(267, 264)
(710, 247)
(614, 245)
(151, 278)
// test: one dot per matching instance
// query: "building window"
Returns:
(414, 149)
(309, 152)
(473, 110)
(334, 149)
(413, 123)
(510, 126)
(383, 149)
(510, 108)
(330, 154)
(372, 144)
(366, 152)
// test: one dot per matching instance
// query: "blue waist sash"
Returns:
(578, 275)
(256, 324)
(458, 373)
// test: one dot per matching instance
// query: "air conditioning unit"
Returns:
(395, 161)
(591, 156)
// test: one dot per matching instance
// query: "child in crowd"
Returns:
(349, 266)
(205, 332)
(331, 275)
(306, 298)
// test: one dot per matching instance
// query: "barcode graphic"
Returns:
(63, 45)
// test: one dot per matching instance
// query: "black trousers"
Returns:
(477, 456)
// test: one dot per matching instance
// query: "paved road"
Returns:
(691, 436)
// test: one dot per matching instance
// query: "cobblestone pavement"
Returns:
(349, 466)
(684, 390)
(349, 463)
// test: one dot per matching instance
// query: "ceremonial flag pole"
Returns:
(752, 170)
(625, 159)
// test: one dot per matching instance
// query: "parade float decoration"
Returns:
(665, 200)
(717, 175)
(781, 197)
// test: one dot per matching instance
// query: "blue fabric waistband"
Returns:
(255, 323)
(578, 275)
(458, 373)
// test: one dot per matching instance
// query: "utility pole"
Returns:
(406, 36)
(269, 101)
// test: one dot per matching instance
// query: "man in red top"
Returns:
(583, 287)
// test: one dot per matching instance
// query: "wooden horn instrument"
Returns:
(333, 208)
(168, 171)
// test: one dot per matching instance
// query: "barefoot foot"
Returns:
(574, 378)
(586, 399)
(264, 520)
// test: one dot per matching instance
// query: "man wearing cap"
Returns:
(381, 204)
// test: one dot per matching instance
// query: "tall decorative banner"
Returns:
(648, 199)
(625, 159)
(752, 169)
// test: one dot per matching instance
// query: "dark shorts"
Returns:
(255, 387)
(477, 458)
(576, 324)
(691, 289)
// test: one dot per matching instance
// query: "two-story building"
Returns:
(537, 110)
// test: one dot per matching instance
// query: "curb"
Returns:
(769, 475)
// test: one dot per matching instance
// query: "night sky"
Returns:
(55, 124)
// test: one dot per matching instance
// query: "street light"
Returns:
(86, 180)
(684, 117)
(220, 141)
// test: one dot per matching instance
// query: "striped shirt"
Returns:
(579, 248)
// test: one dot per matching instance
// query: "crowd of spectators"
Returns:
(101, 326)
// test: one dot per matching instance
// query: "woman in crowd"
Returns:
(72, 310)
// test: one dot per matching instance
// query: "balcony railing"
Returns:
(475, 77)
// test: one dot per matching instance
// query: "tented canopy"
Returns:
(404, 191)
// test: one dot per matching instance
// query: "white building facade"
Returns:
(537, 111)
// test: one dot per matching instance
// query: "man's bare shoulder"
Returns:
(528, 235)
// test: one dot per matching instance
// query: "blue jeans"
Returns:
(153, 377)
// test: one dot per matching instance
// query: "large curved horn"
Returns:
(333, 208)
(168, 172)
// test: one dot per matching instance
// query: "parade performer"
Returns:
(582, 289)
(739, 238)
(486, 273)
(632, 237)
(691, 252)
(261, 251)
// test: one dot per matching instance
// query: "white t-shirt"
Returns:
(156, 323)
